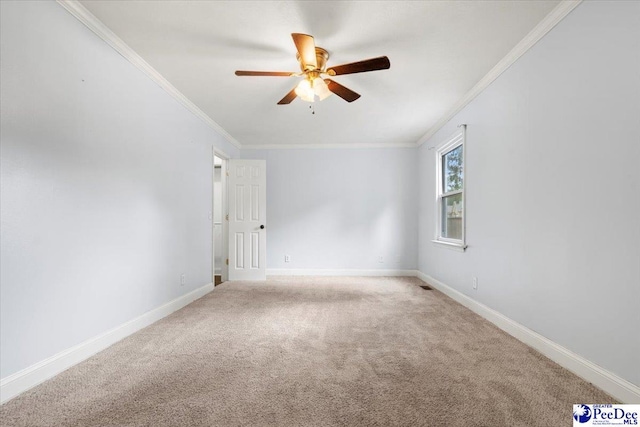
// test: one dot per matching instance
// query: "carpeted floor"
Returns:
(312, 352)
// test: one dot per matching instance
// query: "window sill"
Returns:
(449, 245)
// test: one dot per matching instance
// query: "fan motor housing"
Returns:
(322, 56)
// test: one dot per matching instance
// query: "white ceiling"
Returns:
(438, 51)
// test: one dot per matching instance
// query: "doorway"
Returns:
(219, 213)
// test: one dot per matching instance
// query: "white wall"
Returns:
(553, 189)
(105, 186)
(106, 191)
(341, 208)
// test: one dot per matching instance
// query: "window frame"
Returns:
(458, 139)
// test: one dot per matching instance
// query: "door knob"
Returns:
(262, 227)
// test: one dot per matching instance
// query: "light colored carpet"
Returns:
(312, 352)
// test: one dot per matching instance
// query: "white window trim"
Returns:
(456, 140)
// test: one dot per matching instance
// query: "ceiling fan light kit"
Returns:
(309, 88)
(313, 66)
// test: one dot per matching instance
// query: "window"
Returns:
(450, 191)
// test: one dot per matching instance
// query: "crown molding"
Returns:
(99, 28)
(327, 146)
(539, 31)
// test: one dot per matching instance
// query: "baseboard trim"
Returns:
(338, 272)
(21, 381)
(610, 383)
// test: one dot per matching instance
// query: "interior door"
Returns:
(247, 219)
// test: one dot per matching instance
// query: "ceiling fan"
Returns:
(313, 63)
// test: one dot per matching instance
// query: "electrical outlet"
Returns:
(380, 259)
(183, 279)
(475, 283)
(287, 258)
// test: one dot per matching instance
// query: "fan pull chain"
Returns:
(312, 107)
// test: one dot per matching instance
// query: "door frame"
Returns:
(225, 238)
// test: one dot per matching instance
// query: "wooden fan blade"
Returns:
(264, 73)
(307, 49)
(342, 91)
(288, 97)
(380, 63)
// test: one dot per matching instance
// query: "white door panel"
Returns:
(247, 220)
